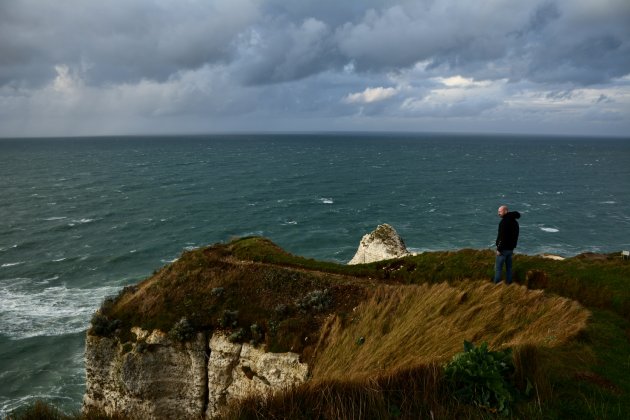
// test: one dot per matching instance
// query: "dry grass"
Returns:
(410, 393)
(408, 326)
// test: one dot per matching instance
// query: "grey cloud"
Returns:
(284, 51)
(116, 41)
(123, 42)
(542, 16)
(260, 60)
(549, 42)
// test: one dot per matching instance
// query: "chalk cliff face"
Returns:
(156, 378)
(238, 370)
(382, 244)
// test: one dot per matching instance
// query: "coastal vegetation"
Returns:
(425, 336)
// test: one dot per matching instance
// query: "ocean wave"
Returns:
(81, 221)
(550, 230)
(52, 311)
(325, 200)
(11, 264)
(55, 218)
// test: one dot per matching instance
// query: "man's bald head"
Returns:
(503, 210)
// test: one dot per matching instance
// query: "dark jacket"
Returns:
(508, 232)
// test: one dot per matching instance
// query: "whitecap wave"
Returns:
(52, 311)
(84, 220)
(325, 200)
(11, 264)
(55, 218)
(550, 230)
(608, 202)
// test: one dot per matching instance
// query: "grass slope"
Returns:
(376, 335)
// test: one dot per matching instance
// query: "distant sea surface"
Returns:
(81, 218)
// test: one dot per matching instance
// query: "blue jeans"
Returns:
(505, 257)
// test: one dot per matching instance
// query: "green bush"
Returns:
(257, 334)
(237, 336)
(228, 319)
(482, 378)
(103, 326)
(317, 300)
(182, 331)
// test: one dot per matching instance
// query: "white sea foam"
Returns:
(326, 200)
(165, 261)
(55, 218)
(84, 220)
(548, 229)
(48, 280)
(59, 259)
(11, 264)
(51, 311)
(608, 202)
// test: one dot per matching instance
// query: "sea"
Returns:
(80, 218)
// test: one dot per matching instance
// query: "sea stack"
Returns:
(383, 243)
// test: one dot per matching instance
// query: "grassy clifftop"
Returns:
(377, 335)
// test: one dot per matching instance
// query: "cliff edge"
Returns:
(234, 321)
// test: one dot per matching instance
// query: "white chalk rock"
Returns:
(383, 243)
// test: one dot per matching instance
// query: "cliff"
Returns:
(230, 322)
(157, 378)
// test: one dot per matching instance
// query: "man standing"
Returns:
(506, 242)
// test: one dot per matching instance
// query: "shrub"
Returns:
(228, 319)
(237, 336)
(182, 331)
(102, 326)
(482, 377)
(257, 333)
(317, 300)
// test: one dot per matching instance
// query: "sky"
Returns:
(109, 67)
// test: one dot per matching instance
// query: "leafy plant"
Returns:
(228, 319)
(482, 377)
(317, 300)
(182, 331)
(257, 333)
(103, 326)
(237, 336)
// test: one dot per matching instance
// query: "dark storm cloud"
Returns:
(117, 40)
(353, 60)
(284, 51)
(577, 42)
(273, 41)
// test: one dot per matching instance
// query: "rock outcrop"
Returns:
(382, 244)
(156, 378)
(238, 370)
